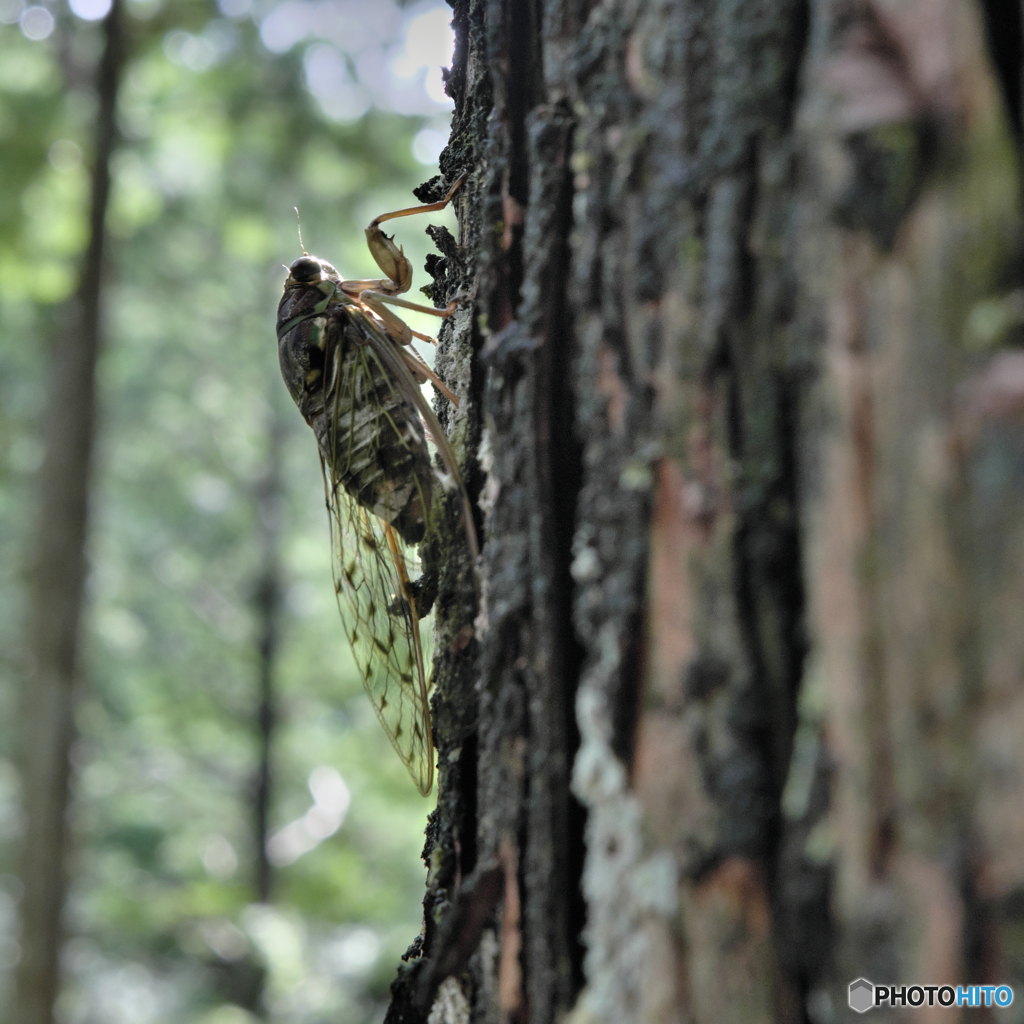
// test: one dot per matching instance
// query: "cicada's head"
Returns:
(309, 270)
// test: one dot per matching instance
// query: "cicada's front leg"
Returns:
(378, 294)
(390, 257)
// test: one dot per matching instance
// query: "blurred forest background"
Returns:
(206, 490)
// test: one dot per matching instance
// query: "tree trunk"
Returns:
(268, 599)
(56, 585)
(740, 721)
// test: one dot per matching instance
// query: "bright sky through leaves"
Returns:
(368, 53)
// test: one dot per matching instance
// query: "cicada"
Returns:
(349, 365)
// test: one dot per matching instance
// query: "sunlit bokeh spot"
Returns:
(219, 857)
(331, 82)
(210, 493)
(427, 145)
(331, 799)
(224, 938)
(122, 630)
(199, 52)
(286, 25)
(354, 952)
(36, 23)
(90, 10)
(427, 45)
(234, 8)
(10, 11)
(64, 155)
(280, 937)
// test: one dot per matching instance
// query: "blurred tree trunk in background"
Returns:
(268, 598)
(57, 571)
(742, 719)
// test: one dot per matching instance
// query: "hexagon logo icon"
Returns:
(862, 995)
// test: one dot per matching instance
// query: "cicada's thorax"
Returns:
(370, 436)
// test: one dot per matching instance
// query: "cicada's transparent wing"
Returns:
(372, 568)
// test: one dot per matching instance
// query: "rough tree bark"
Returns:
(738, 721)
(56, 583)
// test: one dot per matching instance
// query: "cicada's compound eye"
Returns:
(305, 269)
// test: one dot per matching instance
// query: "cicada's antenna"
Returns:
(298, 220)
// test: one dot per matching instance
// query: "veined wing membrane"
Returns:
(371, 567)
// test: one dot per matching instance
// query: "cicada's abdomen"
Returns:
(370, 435)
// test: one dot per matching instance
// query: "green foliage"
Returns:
(211, 162)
